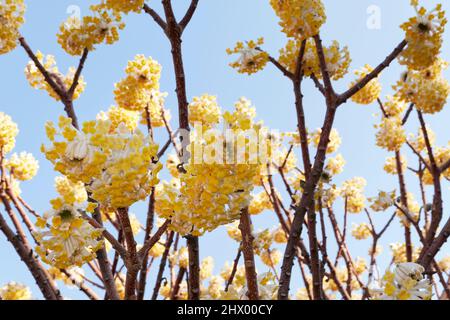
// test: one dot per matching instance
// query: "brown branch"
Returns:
(155, 17)
(176, 286)
(363, 82)
(249, 258)
(153, 240)
(77, 75)
(162, 265)
(188, 16)
(234, 269)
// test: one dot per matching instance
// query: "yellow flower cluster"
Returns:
(337, 59)
(11, 19)
(8, 133)
(361, 231)
(391, 134)
(418, 142)
(405, 283)
(398, 251)
(65, 238)
(71, 192)
(140, 88)
(441, 156)
(424, 36)
(390, 166)
(394, 107)
(119, 166)
(119, 115)
(353, 192)
(427, 89)
(204, 110)
(37, 81)
(77, 34)
(251, 58)
(371, 91)
(300, 18)
(259, 203)
(215, 185)
(157, 115)
(125, 6)
(383, 201)
(76, 274)
(15, 291)
(335, 165)
(23, 166)
(333, 144)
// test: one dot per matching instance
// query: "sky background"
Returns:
(217, 24)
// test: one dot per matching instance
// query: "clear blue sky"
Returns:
(218, 24)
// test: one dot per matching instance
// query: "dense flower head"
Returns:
(216, 183)
(8, 133)
(119, 115)
(398, 251)
(337, 59)
(259, 202)
(22, 166)
(391, 134)
(204, 110)
(427, 89)
(424, 36)
(418, 141)
(140, 87)
(11, 19)
(300, 18)
(371, 91)
(37, 80)
(120, 166)
(394, 107)
(390, 165)
(382, 201)
(333, 144)
(124, 6)
(405, 283)
(441, 156)
(15, 291)
(335, 165)
(252, 59)
(65, 238)
(77, 34)
(353, 192)
(154, 112)
(361, 231)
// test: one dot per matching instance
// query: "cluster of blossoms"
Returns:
(37, 81)
(441, 156)
(124, 6)
(337, 59)
(383, 201)
(405, 283)
(65, 239)
(390, 165)
(204, 110)
(119, 165)
(424, 36)
(251, 59)
(398, 251)
(361, 231)
(8, 133)
(333, 144)
(413, 209)
(139, 91)
(371, 91)
(391, 134)
(11, 19)
(427, 89)
(15, 291)
(216, 184)
(300, 19)
(76, 35)
(353, 192)
(22, 166)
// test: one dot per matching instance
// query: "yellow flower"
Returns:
(300, 18)
(361, 231)
(204, 110)
(424, 36)
(352, 191)
(15, 291)
(23, 166)
(371, 91)
(391, 134)
(390, 166)
(8, 133)
(251, 59)
(333, 144)
(11, 18)
(125, 6)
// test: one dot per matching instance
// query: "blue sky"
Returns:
(217, 24)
